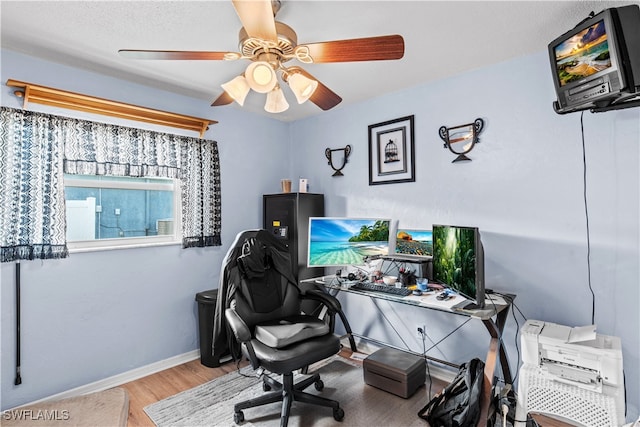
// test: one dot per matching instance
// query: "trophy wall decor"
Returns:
(339, 158)
(460, 140)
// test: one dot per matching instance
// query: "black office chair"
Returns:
(265, 317)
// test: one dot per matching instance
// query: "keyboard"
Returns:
(372, 287)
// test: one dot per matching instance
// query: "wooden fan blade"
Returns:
(223, 99)
(323, 97)
(365, 49)
(173, 54)
(257, 18)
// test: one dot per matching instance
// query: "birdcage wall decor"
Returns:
(391, 151)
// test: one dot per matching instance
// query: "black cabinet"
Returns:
(287, 215)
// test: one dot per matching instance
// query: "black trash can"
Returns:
(206, 311)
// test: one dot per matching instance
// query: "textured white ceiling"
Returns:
(442, 38)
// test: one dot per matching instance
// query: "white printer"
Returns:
(572, 373)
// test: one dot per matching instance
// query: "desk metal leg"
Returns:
(495, 329)
(487, 384)
(496, 349)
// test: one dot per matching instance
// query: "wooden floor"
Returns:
(158, 386)
(161, 385)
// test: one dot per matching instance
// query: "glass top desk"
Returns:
(493, 316)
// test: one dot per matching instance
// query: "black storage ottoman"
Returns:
(395, 371)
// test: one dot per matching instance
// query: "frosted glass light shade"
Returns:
(302, 86)
(238, 88)
(261, 77)
(276, 102)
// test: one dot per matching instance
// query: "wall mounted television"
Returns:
(339, 242)
(458, 261)
(597, 63)
(413, 242)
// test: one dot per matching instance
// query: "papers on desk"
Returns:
(428, 299)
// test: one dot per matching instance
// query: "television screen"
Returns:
(346, 241)
(583, 54)
(414, 242)
(594, 64)
(458, 260)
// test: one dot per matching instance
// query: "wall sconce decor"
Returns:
(346, 151)
(461, 139)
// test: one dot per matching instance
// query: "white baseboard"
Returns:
(122, 378)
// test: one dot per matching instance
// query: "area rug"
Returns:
(109, 408)
(211, 404)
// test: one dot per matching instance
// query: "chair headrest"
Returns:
(254, 260)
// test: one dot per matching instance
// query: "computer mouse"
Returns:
(443, 296)
(417, 292)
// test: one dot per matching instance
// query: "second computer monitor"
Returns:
(413, 242)
(458, 260)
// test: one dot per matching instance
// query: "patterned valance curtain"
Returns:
(92, 148)
(85, 147)
(32, 207)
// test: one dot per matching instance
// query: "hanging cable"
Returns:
(586, 214)
(424, 355)
(510, 300)
(18, 379)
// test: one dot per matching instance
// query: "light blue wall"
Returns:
(94, 315)
(524, 189)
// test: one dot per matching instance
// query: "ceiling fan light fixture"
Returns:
(238, 88)
(302, 86)
(261, 77)
(276, 102)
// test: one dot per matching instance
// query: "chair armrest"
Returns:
(240, 329)
(243, 334)
(334, 307)
(330, 301)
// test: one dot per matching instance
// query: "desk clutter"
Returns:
(395, 371)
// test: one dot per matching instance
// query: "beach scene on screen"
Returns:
(346, 241)
(414, 242)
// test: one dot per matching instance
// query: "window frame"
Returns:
(71, 180)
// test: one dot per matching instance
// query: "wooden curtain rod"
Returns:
(75, 101)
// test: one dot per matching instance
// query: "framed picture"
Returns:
(391, 146)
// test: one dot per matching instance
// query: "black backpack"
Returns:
(458, 404)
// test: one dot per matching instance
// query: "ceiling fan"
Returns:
(269, 44)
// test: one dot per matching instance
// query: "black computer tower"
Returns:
(287, 215)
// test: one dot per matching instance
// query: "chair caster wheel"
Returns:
(338, 414)
(238, 417)
(266, 387)
(319, 385)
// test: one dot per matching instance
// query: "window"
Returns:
(105, 212)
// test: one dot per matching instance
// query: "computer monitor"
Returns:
(338, 242)
(458, 260)
(414, 243)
